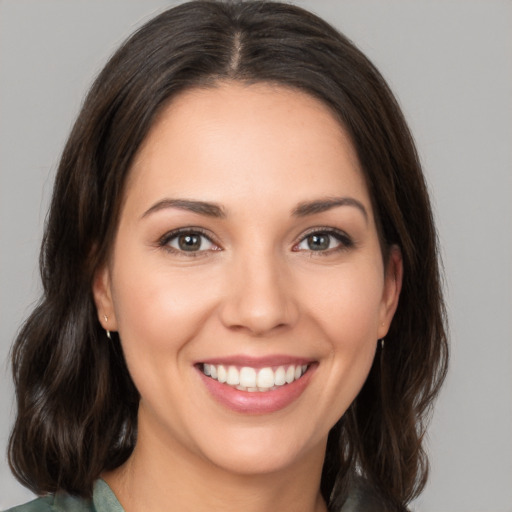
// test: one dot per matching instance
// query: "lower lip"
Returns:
(257, 402)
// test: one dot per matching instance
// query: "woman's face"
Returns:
(246, 280)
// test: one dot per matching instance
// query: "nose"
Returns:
(259, 296)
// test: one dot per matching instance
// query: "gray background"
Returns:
(450, 64)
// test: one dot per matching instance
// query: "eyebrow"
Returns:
(201, 207)
(322, 205)
(214, 210)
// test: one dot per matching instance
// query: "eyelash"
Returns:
(345, 242)
(191, 231)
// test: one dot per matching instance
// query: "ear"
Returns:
(102, 293)
(392, 286)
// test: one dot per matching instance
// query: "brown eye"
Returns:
(190, 242)
(319, 242)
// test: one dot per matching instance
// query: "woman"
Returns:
(239, 220)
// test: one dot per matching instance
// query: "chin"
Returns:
(252, 452)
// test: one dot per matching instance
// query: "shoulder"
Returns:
(103, 500)
(38, 505)
(55, 503)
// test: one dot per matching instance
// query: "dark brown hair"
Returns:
(77, 405)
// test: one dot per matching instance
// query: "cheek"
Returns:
(157, 309)
(347, 305)
(347, 314)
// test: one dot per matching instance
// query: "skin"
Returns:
(255, 287)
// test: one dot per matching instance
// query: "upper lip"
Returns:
(257, 362)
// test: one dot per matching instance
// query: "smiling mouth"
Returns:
(252, 379)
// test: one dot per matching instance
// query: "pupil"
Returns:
(189, 242)
(318, 242)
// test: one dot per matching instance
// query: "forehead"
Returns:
(254, 141)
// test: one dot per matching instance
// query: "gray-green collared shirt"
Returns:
(104, 500)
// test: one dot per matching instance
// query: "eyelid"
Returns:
(164, 240)
(346, 241)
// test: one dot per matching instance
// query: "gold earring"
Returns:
(106, 330)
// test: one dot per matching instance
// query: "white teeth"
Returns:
(233, 376)
(251, 380)
(280, 376)
(221, 374)
(248, 377)
(265, 378)
(290, 374)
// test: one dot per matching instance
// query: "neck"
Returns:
(162, 477)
